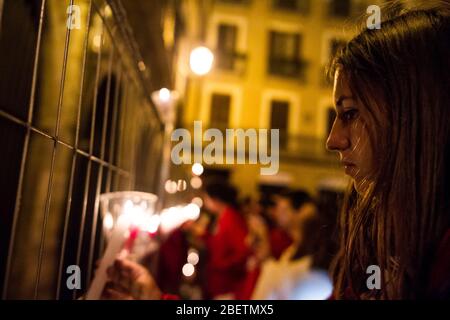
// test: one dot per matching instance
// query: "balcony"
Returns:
(231, 61)
(294, 69)
(295, 6)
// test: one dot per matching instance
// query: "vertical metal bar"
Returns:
(134, 141)
(127, 108)
(156, 149)
(100, 170)
(2, 2)
(24, 155)
(152, 134)
(74, 157)
(157, 144)
(165, 159)
(91, 146)
(112, 143)
(53, 160)
(123, 113)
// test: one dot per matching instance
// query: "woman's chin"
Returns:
(361, 185)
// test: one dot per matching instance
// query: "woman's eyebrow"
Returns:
(341, 99)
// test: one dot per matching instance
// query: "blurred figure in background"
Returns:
(294, 276)
(172, 257)
(299, 274)
(259, 243)
(291, 209)
(227, 250)
(224, 241)
(279, 237)
(329, 202)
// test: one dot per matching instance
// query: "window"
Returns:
(226, 46)
(279, 115)
(339, 8)
(284, 56)
(302, 6)
(220, 111)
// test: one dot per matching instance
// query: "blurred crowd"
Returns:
(278, 246)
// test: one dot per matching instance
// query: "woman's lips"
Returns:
(349, 168)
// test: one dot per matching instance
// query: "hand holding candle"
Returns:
(130, 280)
(115, 244)
(132, 211)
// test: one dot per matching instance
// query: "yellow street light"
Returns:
(201, 60)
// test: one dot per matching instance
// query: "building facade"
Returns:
(269, 72)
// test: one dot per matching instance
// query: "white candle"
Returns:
(115, 244)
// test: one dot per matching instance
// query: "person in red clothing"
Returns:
(289, 206)
(279, 241)
(172, 257)
(392, 132)
(279, 238)
(226, 245)
(288, 203)
(227, 254)
(266, 234)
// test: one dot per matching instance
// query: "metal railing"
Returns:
(293, 69)
(70, 230)
(231, 61)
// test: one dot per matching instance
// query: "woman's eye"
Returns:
(349, 115)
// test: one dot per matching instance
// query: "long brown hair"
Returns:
(400, 74)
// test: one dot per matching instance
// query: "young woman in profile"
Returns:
(392, 98)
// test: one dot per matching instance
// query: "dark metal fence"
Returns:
(76, 121)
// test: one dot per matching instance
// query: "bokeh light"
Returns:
(188, 270)
(196, 182)
(197, 169)
(201, 60)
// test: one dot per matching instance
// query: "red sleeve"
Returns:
(246, 290)
(279, 241)
(167, 296)
(230, 243)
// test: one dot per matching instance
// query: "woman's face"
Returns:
(211, 204)
(349, 135)
(283, 212)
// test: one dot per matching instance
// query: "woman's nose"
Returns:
(337, 139)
